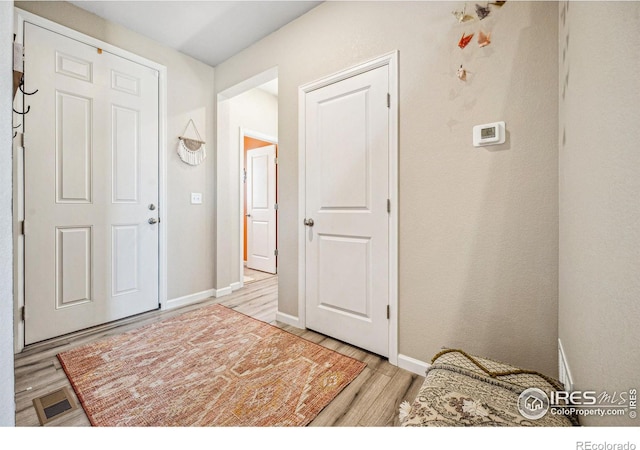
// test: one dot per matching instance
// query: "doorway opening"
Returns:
(247, 220)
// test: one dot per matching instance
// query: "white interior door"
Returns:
(91, 176)
(261, 209)
(347, 220)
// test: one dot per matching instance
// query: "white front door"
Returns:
(261, 209)
(91, 178)
(347, 221)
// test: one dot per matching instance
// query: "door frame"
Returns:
(391, 61)
(20, 17)
(245, 132)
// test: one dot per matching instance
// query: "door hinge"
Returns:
(276, 160)
(275, 206)
(388, 205)
(388, 312)
(22, 227)
(388, 100)
(23, 313)
(275, 252)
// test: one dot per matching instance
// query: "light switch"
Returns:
(196, 198)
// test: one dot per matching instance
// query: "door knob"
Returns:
(153, 221)
(308, 222)
(248, 215)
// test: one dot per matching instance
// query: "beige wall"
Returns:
(191, 228)
(7, 399)
(478, 227)
(599, 306)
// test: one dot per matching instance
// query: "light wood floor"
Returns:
(251, 276)
(372, 399)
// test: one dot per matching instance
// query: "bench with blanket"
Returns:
(465, 390)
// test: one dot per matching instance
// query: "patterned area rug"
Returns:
(209, 367)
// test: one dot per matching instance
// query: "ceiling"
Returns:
(209, 31)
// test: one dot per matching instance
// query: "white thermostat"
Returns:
(489, 134)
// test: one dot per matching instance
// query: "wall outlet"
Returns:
(196, 198)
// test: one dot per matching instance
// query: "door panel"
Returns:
(73, 148)
(344, 275)
(73, 265)
(74, 67)
(124, 137)
(345, 153)
(261, 212)
(126, 83)
(91, 171)
(347, 187)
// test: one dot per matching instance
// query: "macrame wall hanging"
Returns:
(191, 151)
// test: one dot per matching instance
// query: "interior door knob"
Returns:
(153, 221)
(308, 222)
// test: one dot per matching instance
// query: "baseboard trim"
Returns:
(564, 373)
(413, 365)
(189, 299)
(193, 298)
(235, 286)
(288, 319)
(217, 293)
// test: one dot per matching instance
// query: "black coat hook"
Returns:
(21, 85)
(24, 112)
